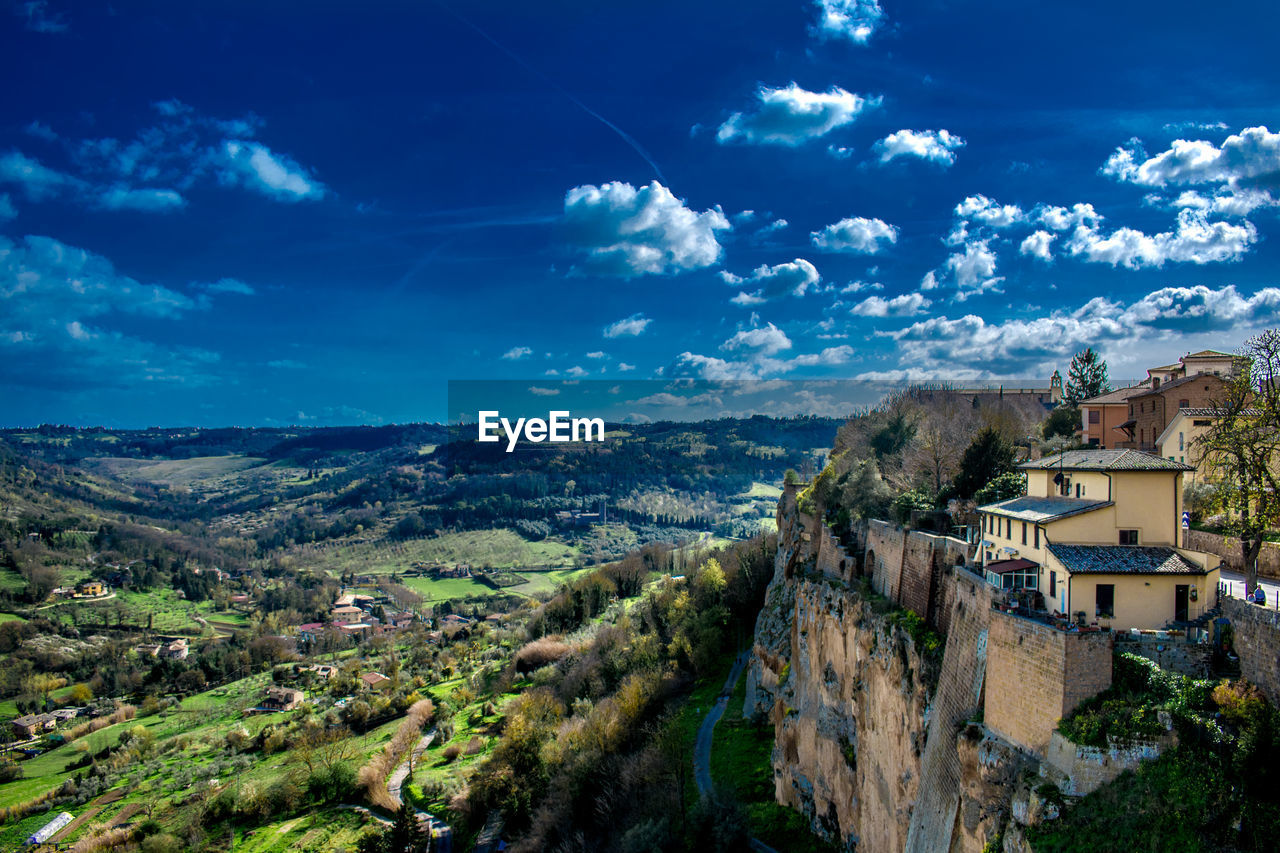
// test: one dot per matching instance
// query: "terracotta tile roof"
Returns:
(1043, 509)
(1123, 560)
(1120, 395)
(1106, 460)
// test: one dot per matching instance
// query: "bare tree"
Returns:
(1240, 448)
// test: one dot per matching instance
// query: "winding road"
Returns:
(706, 733)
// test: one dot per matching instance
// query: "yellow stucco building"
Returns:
(1097, 533)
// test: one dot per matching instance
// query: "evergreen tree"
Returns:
(1087, 378)
(987, 457)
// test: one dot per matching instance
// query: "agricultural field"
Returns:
(167, 611)
(498, 548)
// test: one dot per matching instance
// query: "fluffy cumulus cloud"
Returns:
(1250, 156)
(1194, 240)
(628, 327)
(628, 232)
(61, 304)
(150, 172)
(1224, 202)
(971, 346)
(938, 146)
(766, 341)
(856, 234)
(517, 353)
(855, 20)
(753, 365)
(906, 305)
(1038, 244)
(973, 271)
(795, 278)
(1061, 218)
(980, 209)
(792, 116)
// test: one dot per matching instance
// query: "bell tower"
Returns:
(1055, 387)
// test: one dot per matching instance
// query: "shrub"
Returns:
(451, 753)
(539, 653)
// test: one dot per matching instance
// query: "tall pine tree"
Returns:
(1087, 378)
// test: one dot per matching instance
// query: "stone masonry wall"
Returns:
(1228, 548)
(958, 696)
(1257, 642)
(1037, 674)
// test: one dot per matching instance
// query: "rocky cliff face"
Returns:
(848, 695)
(845, 689)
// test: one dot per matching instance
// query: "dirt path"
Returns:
(702, 746)
(396, 780)
(706, 734)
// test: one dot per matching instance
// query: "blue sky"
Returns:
(218, 213)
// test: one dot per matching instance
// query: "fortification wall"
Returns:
(1037, 674)
(1228, 548)
(1257, 642)
(958, 697)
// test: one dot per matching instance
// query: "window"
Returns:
(1201, 423)
(1182, 404)
(1009, 529)
(1053, 584)
(1128, 537)
(1024, 533)
(1095, 417)
(1037, 536)
(1079, 490)
(1181, 443)
(1106, 600)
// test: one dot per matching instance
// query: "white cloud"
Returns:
(860, 287)
(754, 366)
(630, 232)
(576, 371)
(61, 303)
(974, 268)
(1038, 245)
(539, 391)
(147, 200)
(1195, 240)
(38, 181)
(258, 167)
(623, 367)
(1226, 201)
(979, 208)
(598, 354)
(1060, 218)
(795, 278)
(793, 116)
(855, 20)
(856, 234)
(936, 145)
(1162, 320)
(628, 327)
(517, 353)
(1250, 156)
(906, 305)
(767, 340)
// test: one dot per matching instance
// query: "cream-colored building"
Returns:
(1180, 440)
(1097, 533)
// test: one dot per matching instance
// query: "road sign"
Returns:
(1186, 520)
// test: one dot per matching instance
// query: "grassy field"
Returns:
(174, 472)
(169, 613)
(318, 832)
(500, 549)
(742, 762)
(447, 588)
(763, 490)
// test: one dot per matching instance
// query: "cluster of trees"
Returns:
(587, 756)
